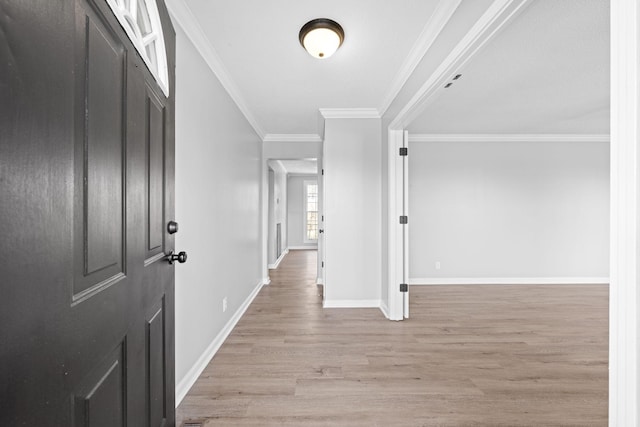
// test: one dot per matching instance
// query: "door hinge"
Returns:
(404, 151)
(323, 217)
(322, 171)
(404, 219)
(404, 287)
(322, 264)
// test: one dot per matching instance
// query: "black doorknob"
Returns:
(172, 227)
(180, 257)
(321, 231)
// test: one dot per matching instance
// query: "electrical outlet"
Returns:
(224, 304)
(437, 265)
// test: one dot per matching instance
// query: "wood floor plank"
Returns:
(490, 355)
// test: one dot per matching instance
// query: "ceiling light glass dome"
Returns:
(321, 37)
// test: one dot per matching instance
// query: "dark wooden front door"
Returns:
(86, 192)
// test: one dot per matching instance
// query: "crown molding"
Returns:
(518, 137)
(499, 14)
(182, 15)
(273, 137)
(436, 23)
(350, 113)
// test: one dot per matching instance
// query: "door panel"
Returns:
(156, 362)
(156, 222)
(103, 398)
(104, 144)
(86, 183)
(101, 148)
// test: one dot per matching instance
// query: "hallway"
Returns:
(470, 355)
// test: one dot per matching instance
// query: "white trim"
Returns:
(279, 260)
(181, 14)
(405, 228)
(352, 303)
(182, 387)
(509, 281)
(441, 15)
(500, 13)
(264, 200)
(303, 248)
(273, 137)
(541, 137)
(350, 113)
(279, 164)
(624, 297)
(320, 243)
(266, 281)
(394, 230)
(319, 281)
(384, 308)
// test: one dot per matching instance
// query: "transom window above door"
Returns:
(141, 21)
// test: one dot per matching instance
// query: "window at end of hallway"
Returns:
(310, 211)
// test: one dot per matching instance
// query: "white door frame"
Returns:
(405, 227)
(395, 236)
(264, 201)
(398, 234)
(320, 274)
(624, 249)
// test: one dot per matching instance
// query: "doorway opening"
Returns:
(294, 219)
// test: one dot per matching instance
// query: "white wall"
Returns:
(218, 176)
(384, 217)
(509, 210)
(352, 209)
(292, 150)
(278, 203)
(295, 209)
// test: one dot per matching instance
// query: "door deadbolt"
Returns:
(172, 227)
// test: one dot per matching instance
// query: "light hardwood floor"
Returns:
(469, 356)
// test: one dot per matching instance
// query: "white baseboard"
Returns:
(183, 386)
(511, 281)
(320, 281)
(302, 248)
(279, 260)
(356, 303)
(266, 281)
(384, 308)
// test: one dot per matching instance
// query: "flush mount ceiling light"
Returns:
(321, 37)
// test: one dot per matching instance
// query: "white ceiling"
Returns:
(283, 86)
(546, 72)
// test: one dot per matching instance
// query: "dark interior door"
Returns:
(86, 192)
